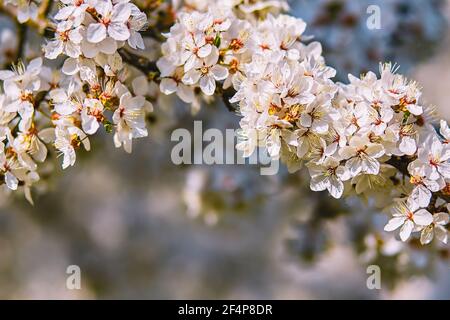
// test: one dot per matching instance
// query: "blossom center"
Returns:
(331, 171)
(416, 180)
(64, 36)
(361, 151)
(204, 70)
(236, 44)
(410, 215)
(106, 21)
(434, 162)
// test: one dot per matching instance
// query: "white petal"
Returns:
(319, 183)
(408, 146)
(441, 218)
(336, 188)
(441, 234)
(90, 124)
(53, 49)
(121, 12)
(219, 72)
(371, 166)
(47, 135)
(406, 230)
(70, 66)
(423, 217)
(415, 109)
(118, 31)
(65, 109)
(208, 85)
(72, 50)
(204, 51)
(5, 74)
(427, 235)
(191, 77)
(108, 46)
(186, 93)
(168, 86)
(11, 181)
(422, 196)
(96, 32)
(306, 120)
(90, 50)
(394, 223)
(103, 7)
(64, 12)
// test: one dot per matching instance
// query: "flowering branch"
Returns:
(362, 138)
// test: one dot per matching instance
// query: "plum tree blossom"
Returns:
(371, 137)
(26, 9)
(437, 228)
(408, 216)
(111, 21)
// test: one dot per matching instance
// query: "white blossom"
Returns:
(408, 216)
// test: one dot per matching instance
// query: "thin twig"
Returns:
(45, 8)
(22, 38)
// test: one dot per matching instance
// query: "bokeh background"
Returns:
(140, 227)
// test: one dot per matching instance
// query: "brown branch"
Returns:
(141, 63)
(45, 8)
(22, 38)
(226, 95)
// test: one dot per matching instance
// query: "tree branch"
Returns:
(22, 37)
(141, 63)
(45, 8)
(227, 94)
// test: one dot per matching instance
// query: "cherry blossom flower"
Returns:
(67, 141)
(112, 22)
(91, 115)
(436, 229)
(362, 155)
(206, 74)
(73, 9)
(407, 216)
(329, 176)
(130, 120)
(434, 157)
(423, 187)
(67, 41)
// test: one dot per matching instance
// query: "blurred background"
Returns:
(140, 227)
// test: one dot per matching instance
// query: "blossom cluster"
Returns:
(41, 108)
(209, 46)
(359, 138)
(243, 9)
(350, 136)
(372, 137)
(87, 28)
